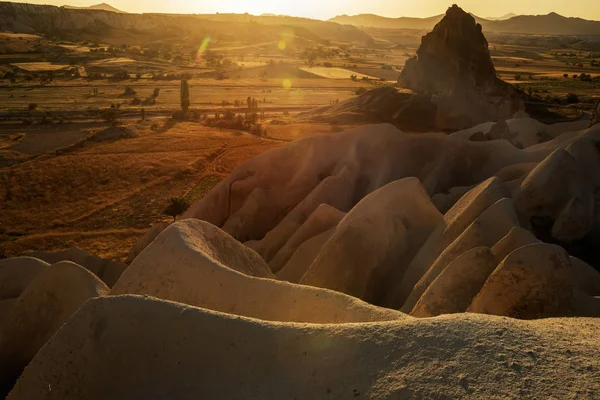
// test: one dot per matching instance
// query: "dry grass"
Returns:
(105, 195)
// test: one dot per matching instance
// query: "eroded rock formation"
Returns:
(378, 227)
(454, 68)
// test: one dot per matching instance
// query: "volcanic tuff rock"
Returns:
(431, 224)
(107, 270)
(452, 85)
(40, 310)
(141, 348)
(453, 66)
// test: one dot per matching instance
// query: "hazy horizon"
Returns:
(587, 9)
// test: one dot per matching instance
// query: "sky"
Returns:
(320, 9)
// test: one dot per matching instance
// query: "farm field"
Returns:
(87, 134)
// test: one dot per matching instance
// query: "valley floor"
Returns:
(103, 196)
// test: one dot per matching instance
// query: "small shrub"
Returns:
(258, 130)
(129, 91)
(229, 115)
(32, 106)
(176, 207)
(110, 114)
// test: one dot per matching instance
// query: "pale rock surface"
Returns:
(516, 238)
(336, 191)
(107, 270)
(201, 354)
(454, 289)
(41, 309)
(375, 242)
(521, 132)
(258, 195)
(145, 240)
(303, 257)
(324, 218)
(535, 281)
(549, 186)
(181, 265)
(16, 273)
(455, 221)
(445, 201)
(490, 227)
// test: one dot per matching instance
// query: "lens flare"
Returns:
(281, 45)
(202, 48)
(287, 84)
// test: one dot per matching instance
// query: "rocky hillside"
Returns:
(452, 82)
(101, 6)
(337, 266)
(81, 24)
(552, 23)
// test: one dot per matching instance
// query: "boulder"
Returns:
(145, 240)
(515, 239)
(549, 186)
(456, 220)
(303, 257)
(337, 192)
(491, 226)
(375, 242)
(454, 289)
(184, 264)
(535, 281)
(359, 255)
(324, 218)
(134, 347)
(41, 309)
(16, 273)
(107, 270)
(258, 195)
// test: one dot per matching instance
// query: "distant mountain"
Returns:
(190, 29)
(502, 18)
(376, 21)
(101, 6)
(552, 23)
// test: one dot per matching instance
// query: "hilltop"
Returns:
(101, 6)
(552, 23)
(127, 28)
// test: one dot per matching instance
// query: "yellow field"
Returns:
(40, 66)
(334, 73)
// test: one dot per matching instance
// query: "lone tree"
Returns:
(176, 207)
(185, 95)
